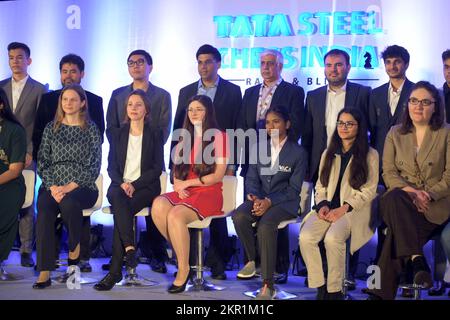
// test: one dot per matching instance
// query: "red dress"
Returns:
(204, 200)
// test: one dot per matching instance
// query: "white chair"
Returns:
(88, 213)
(133, 279)
(29, 177)
(229, 204)
(305, 207)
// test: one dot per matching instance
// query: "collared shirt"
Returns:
(17, 88)
(275, 150)
(394, 96)
(335, 103)
(208, 91)
(265, 99)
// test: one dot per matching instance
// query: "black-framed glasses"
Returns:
(139, 62)
(348, 124)
(424, 102)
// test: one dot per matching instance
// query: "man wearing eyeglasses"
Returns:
(227, 100)
(140, 65)
(388, 101)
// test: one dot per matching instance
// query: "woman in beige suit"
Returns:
(416, 170)
(347, 184)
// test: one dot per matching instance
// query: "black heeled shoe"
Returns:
(178, 289)
(42, 285)
(422, 273)
(108, 282)
(438, 290)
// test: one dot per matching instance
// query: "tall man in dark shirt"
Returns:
(227, 100)
(140, 65)
(71, 68)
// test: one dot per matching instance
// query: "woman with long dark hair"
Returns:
(135, 162)
(416, 170)
(273, 188)
(200, 163)
(13, 148)
(69, 160)
(347, 184)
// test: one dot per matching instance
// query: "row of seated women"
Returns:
(416, 171)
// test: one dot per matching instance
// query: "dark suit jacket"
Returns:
(432, 172)
(283, 185)
(380, 118)
(26, 106)
(315, 134)
(160, 109)
(152, 157)
(47, 110)
(227, 104)
(286, 94)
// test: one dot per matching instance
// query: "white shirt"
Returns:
(394, 96)
(133, 162)
(335, 103)
(275, 151)
(17, 88)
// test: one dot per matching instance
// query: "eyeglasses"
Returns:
(424, 102)
(139, 62)
(348, 124)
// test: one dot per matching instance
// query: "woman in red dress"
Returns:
(200, 164)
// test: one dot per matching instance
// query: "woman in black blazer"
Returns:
(135, 163)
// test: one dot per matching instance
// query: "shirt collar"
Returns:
(20, 82)
(341, 89)
(274, 84)
(399, 90)
(201, 85)
(280, 145)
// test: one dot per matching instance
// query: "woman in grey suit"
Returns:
(416, 170)
(347, 184)
(273, 188)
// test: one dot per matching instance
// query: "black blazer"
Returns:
(227, 104)
(47, 110)
(315, 135)
(380, 118)
(152, 157)
(286, 94)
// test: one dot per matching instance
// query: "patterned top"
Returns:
(70, 154)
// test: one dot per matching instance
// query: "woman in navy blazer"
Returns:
(135, 163)
(273, 183)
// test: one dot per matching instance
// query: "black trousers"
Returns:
(266, 234)
(124, 209)
(71, 209)
(407, 232)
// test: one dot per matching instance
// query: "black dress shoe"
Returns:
(438, 290)
(373, 297)
(334, 296)
(178, 289)
(42, 285)
(26, 260)
(219, 276)
(158, 266)
(85, 266)
(108, 282)
(321, 292)
(280, 278)
(422, 273)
